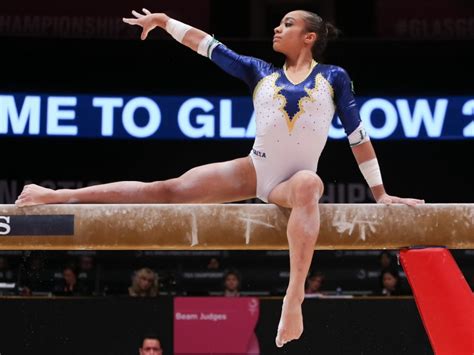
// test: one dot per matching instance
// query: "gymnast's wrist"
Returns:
(161, 19)
(378, 192)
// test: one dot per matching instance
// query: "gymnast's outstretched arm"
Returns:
(248, 69)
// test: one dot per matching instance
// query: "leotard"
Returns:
(292, 119)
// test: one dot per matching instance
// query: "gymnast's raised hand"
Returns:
(191, 37)
(147, 21)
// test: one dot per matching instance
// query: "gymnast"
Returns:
(294, 106)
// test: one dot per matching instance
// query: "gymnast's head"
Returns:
(303, 30)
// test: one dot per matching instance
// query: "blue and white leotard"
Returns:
(292, 119)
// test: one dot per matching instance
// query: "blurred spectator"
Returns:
(232, 283)
(150, 345)
(391, 283)
(386, 260)
(86, 263)
(314, 283)
(213, 264)
(144, 283)
(70, 280)
(35, 278)
(8, 281)
(86, 272)
(69, 285)
(7, 275)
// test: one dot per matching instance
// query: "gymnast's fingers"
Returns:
(144, 33)
(137, 14)
(131, 21)
(411, 201)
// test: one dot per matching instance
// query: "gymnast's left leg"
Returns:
(301, 193)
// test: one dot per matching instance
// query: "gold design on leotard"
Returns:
(273, 78)
(319, 78)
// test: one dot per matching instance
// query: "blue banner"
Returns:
(175, 117)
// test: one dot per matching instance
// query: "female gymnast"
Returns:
(294, 106)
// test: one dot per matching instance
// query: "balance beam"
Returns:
(231, 226)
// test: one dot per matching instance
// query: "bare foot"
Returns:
(33, 195)
(291, 322)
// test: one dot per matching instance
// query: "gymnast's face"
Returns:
(291, 35)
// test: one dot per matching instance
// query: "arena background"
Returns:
(405, 49)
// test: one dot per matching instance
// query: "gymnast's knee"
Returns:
(307, 188)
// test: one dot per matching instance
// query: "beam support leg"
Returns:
(443, 297)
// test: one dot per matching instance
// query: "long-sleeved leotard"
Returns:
(292, 119)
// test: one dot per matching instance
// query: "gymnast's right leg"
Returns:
(229, 181)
